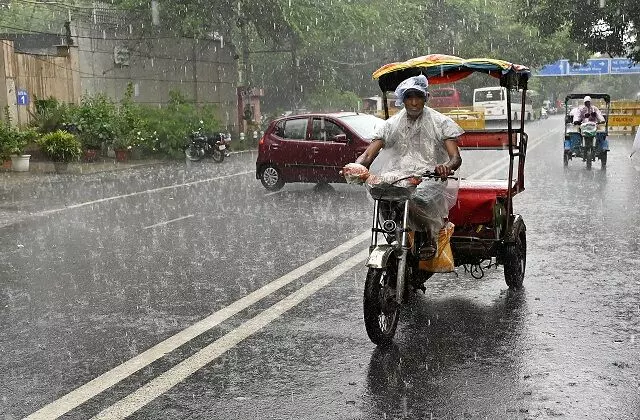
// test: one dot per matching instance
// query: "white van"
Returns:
(494, 102)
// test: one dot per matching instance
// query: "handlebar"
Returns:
(427, 174)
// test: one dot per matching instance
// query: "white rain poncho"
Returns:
(411, 148)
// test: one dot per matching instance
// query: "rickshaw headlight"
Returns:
(389, 226)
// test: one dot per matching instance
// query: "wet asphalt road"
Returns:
(97, 269)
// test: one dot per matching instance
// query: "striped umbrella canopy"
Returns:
(440, 68)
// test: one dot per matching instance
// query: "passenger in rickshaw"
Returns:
(415, 140)
(573, 130)
(588, 112)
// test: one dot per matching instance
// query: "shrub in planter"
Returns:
(50, 114)
(6, 133)
(95, 120)
(60, 146)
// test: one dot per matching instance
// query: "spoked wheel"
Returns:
(381, 312)
(271, 178)
(589, 155)
(217, 155)
(565, 158)
(192, 152)
(515, 261)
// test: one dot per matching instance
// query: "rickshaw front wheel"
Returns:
(381, 311)
(515, 261)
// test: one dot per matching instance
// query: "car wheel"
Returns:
(271, 178)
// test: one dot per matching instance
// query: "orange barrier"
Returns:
(624, 117)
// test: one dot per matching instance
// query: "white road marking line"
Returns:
(161, 384)
(490, 171)
(94, 387)
(168, 221)
(273, 193)
(495, 171)
(153, 190)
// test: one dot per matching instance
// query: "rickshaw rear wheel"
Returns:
(515, 261)
(381, 311)
(589, 156)
(565, 158)
(603, 159)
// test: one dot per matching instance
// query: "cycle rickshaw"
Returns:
(588, 140)
(486, 227)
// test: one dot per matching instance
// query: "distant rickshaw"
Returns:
(588, 139)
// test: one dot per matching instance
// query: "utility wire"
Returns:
(108, 38)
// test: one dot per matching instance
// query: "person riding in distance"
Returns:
(415, 140)
(588, 112)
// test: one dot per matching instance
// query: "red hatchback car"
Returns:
(312, 147)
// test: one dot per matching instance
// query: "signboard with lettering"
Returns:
(22, 97)
(621, 120)
(594, 66)
(591, 67)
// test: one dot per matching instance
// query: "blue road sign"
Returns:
(591, 67)
(624, 66)
(23, 97)
(559, 68)
(594, 66)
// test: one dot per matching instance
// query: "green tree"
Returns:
(605, 26)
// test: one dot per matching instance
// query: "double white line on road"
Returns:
(158, 386)
(498, 166)
(89, 390)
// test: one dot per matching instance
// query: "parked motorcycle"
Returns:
(201, 145)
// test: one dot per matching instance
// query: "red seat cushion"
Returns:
(476, 199)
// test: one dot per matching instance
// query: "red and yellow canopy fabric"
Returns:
(440, 68)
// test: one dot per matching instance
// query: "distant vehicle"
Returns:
(445, 97)
(588, 140)
(550, 107)
(312, 147)
(494, 101)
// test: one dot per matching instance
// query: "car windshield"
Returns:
(364, 125)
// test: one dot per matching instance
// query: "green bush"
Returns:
(5, 136)
(14, 141)
(167, 128)
(50, 115)
(96, 121)
(152, 130)
(60, 146)
(130, 127)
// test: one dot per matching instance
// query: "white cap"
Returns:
(419, 83)
(587, 98)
